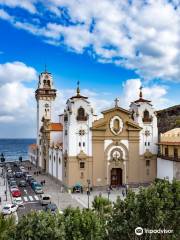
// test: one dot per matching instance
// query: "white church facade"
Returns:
(118, 148)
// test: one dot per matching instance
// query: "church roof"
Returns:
(78, 95)
(116, 108)
(56, 127)
(33, 146)
(141, 99)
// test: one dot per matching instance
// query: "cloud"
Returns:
(16, 72)
(155, 93)
(17, 100)
(25, 4)
(140, 35)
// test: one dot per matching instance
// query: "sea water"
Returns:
(14, 148)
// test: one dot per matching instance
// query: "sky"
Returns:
(111, 46)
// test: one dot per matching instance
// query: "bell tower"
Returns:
(45, 96)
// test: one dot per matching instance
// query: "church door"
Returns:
(116, 177)
(44, 164)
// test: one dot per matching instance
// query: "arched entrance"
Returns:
(116, 177)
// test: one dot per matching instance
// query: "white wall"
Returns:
(164, 169)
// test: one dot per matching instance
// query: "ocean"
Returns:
(14, 148)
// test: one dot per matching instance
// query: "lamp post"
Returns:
(108, 192)
(88, 190)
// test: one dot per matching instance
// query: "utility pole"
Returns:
(88, 190)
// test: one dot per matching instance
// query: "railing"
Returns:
(147, 119)
(171, 158)
(82, 118)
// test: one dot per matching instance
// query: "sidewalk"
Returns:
(3, 195)
(2, 192)
(51, 187)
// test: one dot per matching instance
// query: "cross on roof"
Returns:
(116, 102)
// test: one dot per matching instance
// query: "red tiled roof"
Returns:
(56, 127)
(33, 146)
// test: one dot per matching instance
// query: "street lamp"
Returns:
(108, 192)
(88, 190)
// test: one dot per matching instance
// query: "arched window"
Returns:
(81, 114)
(116, 125)
(48, 83)
(146, 116)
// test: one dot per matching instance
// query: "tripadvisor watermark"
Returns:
(139, 231)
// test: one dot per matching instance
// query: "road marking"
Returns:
(31, 198)
(25, 199)
(36, 197)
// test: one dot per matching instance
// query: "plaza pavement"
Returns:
(54, 189)
(64, 199)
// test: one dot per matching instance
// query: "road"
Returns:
(29, 197)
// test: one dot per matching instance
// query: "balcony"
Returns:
(82, 118)
(170, 158)
(147, 119)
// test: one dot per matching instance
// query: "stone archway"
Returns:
(116, 166)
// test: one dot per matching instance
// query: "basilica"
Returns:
(118, 148)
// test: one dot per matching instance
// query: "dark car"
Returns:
(18, 174)
(10, 175)
(52, 208)
(22, 183)
(11, 179)
(13, 183)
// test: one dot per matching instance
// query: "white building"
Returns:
(168, 162)
(80, 148)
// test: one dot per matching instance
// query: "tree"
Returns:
(101, 205)
(7, 227)
(155, 207)
(40, 225)
(83, 225)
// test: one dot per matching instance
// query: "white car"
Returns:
(13, 188)
(18, 201)
(9, 208)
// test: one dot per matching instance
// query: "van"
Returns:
(45, 199)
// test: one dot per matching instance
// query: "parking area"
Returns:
(22, 189)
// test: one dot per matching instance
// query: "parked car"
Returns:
(13, 188)
(11, 179)
(18, 201)
(9, 170)
(10, 174)
(28, 176)
(45, 199)
(16, 193)
(52, 208)
(37, 188)
(25, 173)
(31, 181)
(13, 183)
(22, 183)
(18, 174)
(9, 208)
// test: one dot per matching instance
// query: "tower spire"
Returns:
(78, 88)
(140, 93)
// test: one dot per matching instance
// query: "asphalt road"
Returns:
(29, 197)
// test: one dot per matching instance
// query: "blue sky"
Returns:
(113, 47)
